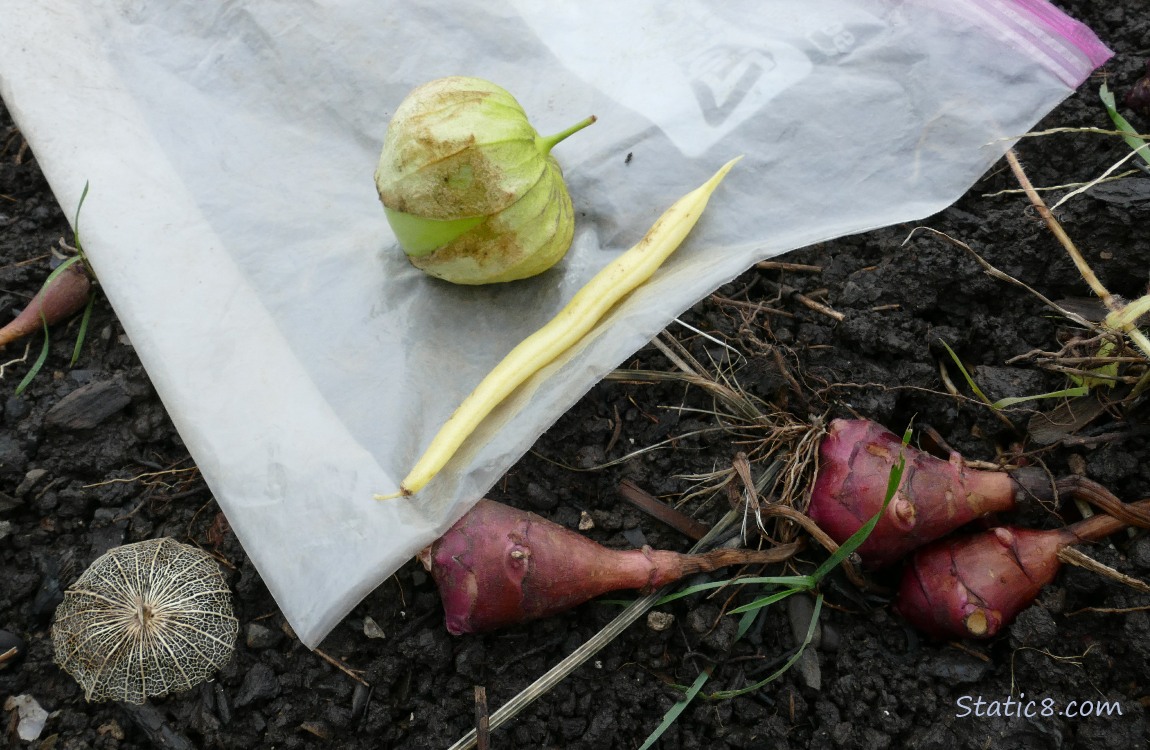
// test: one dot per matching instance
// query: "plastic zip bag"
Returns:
(233, 222)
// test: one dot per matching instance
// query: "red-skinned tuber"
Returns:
(934, 496)
(1138, 97)
(62, 297)
(973, 586)
(499, 566)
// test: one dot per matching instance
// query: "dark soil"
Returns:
(70, 491)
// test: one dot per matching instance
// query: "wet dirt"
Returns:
(114, 470)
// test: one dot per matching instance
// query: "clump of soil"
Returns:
(106, 467)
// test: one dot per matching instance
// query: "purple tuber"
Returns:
(59, 299)
(934, 496)
(500, 566)
(973, 586)
(1138, 97)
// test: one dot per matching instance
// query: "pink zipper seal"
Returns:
(1070, 49)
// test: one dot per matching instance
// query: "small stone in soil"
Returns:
(7, 503)
(317, 728)
(722, 636)
(260, 683)
(372, 629)
(88, 406)
(471, 661)
(635, 537)
(15, 409)
(29, 718)
(1140, 552)
(539, 498)
(153, 722)
(800, 610)
(260, 637)
(809, 669)
(359, 702)
(12, 458)
(31, 479)
(1033, 626)
(955, 668)
(108, 537)
(1004, 382)
(659, 621)
(106, 531)
(223, 708)
(51, 591)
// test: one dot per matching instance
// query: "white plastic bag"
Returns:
(233, 222)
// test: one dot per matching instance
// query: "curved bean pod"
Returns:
(571, 324)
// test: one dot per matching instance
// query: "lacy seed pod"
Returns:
(470, 188)
(145, 619)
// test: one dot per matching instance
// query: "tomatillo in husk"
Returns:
(470, 187)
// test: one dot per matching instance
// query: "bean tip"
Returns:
(718, 177)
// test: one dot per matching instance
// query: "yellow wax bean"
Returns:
(571, 324)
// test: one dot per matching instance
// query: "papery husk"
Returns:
(470, 188)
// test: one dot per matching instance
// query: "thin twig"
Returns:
(1113, 304)
(1067, 186)
(1083, 267)
(754, 306)
(1104, 177)
(616, 432)
(947, 383)
(1109, 610)
(482, 719)
(1055, 131)
(19, 360)
(27, 262)
(676, 360)
(352, 673)
(646, 502)
(709, 337)
(146, 475)
(778, 265)
(1078, 558)
(818, 307)
(1041, 357)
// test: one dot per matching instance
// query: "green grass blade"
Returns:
(796, 584)
(59, 270)
(674, 711)
(795, 581)
(966, 375)
(76, 221)
(1081, 390)
(767, 601)
(745, 623)
(36, 366)
(82, 334)
(1129, 134)
(727, 694)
